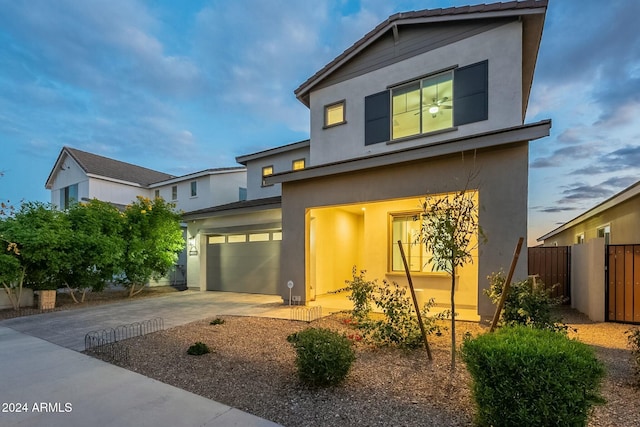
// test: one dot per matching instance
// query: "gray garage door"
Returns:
(244, 262)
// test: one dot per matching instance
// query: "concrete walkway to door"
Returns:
(47, 384)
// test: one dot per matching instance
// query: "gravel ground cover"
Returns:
(251, 367)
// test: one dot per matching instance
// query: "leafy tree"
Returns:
(42, 237)
(95, 256)
(153, 240)
(450, 231)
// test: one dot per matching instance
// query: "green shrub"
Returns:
(217, 321)
(533, 377)
(633, 337)
(399, 324)
(526, 304)
(198, 349)
(324, 357)
(361, 291)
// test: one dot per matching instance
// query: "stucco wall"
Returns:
(281, 162)
(588, 279)
(502, 46)
(502, 183)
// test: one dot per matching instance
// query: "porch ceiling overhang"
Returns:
(267, 226)
(502, 137)
(614, 200)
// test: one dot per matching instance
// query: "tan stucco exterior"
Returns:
(623, 220)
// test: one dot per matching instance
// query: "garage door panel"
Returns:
(250, 267)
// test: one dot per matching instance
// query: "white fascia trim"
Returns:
(195, 175)
(118, 181)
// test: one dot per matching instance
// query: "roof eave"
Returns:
(528, 132)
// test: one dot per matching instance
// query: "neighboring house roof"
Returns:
(235, 208)
(614, 200)
(480, 141)
(531, 11)
(272, 151)
(93, 164)
(194, 175)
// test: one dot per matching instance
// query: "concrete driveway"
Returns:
(45, 383)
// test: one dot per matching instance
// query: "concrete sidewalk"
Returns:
(56, 387)
(53, 385)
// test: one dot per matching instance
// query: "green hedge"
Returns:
(524, 376)
(324, 357)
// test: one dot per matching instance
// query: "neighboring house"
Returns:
(617, 220)
(604, 282)
(414, 107)
(80, 176)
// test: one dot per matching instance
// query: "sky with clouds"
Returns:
(185, 86)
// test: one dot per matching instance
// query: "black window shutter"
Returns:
(471, 93)
(377, 111)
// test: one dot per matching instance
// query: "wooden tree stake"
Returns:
(507, 285)
(415, 301)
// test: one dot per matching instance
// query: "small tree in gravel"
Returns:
(450, 230)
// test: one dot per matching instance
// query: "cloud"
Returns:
(626, 158)
(566, 155)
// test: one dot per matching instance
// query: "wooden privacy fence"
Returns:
(623, 283)
(552, 265)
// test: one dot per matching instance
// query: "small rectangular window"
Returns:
(237, 238)
(216, 240)
(156, 194)
(297, 165)
(174, 192)
(242, 193)
(334, 114)
(580, 238)
(605, 231)
(266, 171)
(194, 188)
(259, 237)
(277, 235)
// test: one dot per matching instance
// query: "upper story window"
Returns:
(68, 196)
(296, 165)
(334, 114)
(435, 102)
(174, 192)
(194, 188)
(580, 238)
(156, 194)
(266, 171)
(422, 106)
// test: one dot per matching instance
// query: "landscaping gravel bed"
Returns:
(251, 367)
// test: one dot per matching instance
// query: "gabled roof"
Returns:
(93, 164)
(531, 11)
(616, 199)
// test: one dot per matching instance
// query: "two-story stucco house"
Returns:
(415, 107)
(78, 175)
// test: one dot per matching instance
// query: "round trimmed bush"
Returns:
(525, 376)
(198, 349)
(324, 357)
